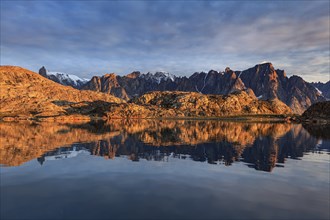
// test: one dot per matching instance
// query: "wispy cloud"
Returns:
(88, 38)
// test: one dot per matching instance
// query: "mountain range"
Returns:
(266, 82)
(26, 95)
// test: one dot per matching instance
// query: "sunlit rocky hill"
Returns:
(26, 94)
(192, 104)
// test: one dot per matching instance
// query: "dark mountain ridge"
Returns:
(265, 81)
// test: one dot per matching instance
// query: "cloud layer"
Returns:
(91, 38)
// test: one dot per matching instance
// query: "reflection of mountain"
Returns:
(21, 142)
(261, 145)
(318, 130)
(61, 153)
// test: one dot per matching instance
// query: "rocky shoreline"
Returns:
(317, 113)
(82, 118)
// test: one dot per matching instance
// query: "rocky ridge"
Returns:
(193, 104)
(265, 81)
(27, 95)
(136, 84)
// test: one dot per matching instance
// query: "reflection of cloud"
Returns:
(85, 38)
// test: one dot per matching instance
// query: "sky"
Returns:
(89, 38)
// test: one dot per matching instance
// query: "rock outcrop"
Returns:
(192, 104)
(107, 84)
(318, 112)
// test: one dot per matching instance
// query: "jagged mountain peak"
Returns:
(63, 78)
(213, 72)
(230, 73)
(43, 71)
(158, 76)
(296, 78)
(264, 68)
(133, 75)
(109, 75)
(227, 69)
(265, 63)
(197, 74)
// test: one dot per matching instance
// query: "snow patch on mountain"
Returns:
(158, 77)
(64, 78)
(319, 91)
(239, 75)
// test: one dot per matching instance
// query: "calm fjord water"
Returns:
(152, 169)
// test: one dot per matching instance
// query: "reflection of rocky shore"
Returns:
(318, 130)
(21, 142)
(261, 145)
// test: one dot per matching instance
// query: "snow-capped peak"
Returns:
(62, 77)
(158, 76)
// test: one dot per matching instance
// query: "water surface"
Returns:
(163, 170)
